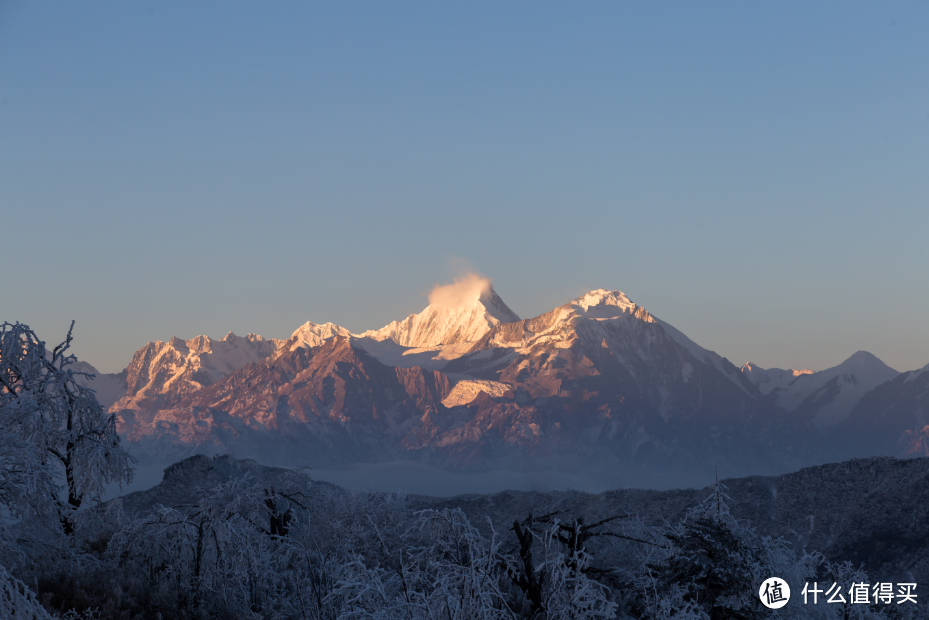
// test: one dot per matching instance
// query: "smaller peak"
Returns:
(320, 328)
(312, 334)
(750, 367)
(602, 296)
(604, 304)
(177, 343)
(864, 359)
(200, 341)
(311, 326)
(232, 337)
(308, 327)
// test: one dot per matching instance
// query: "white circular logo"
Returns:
(774, 593)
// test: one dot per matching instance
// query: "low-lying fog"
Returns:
(414, 478)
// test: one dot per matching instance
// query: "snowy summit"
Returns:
(459, 312)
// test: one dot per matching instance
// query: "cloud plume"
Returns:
(463, 291)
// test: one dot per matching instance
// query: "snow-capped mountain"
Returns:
(163, 372)
(827, 397)
(328, 404)
(596, 383)
(312, 335)
(601, 375)
(448, 321)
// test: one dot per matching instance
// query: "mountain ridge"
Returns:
(825, 397)
(598, 382)
(633, 395)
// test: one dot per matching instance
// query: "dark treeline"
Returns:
(305, 550)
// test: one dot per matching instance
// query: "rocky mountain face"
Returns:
(321, 405)
(597, 383)
(163, 372)
(311, 335)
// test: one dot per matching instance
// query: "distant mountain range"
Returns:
(596, 384)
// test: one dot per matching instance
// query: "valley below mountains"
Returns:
(598, 385)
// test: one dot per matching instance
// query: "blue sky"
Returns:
(756, 174)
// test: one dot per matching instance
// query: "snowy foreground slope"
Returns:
(598, 384)
(227, 538)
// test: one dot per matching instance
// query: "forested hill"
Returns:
(873, 511)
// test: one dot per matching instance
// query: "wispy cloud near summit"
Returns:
(463, 291)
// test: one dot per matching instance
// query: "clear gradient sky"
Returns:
(756, 174)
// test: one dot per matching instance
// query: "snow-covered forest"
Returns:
(253, 548)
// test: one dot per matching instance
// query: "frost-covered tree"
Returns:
(837, 579)
(568, 591)
(712, 567)
(240, 550)
(553, 565)
(17, 602)
(55, 443)
(443, 569)
(208, 552)
(55, 433)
